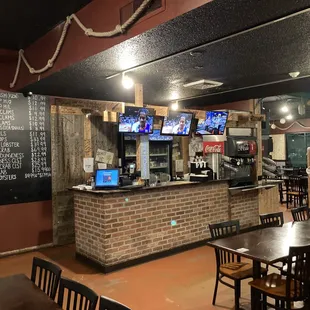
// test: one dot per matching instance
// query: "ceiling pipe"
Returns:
(212, 42)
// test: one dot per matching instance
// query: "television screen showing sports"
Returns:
(136, 120)
(177, 123)
(213, 124)
(107, 178)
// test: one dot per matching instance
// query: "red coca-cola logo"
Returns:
(213, 147)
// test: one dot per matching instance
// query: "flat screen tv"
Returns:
(213, 124)
(177, 123)
(107, 178)
(136, 120)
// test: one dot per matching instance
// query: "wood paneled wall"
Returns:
(75, 136)
(67, 170)
(104, 136)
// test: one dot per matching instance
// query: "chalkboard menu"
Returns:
(25, 148)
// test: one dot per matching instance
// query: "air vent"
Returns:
(203, 84)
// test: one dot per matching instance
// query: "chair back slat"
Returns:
(221, 230)
(300, 214)
(46, 276)
(272, 219)
(83, 297)
(298, 273)
(110, 304)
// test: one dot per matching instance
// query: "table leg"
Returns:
(255, 295)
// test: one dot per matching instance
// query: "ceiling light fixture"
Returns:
(127, 81)
(284, 109)
(282, 121)
(273, 126)
(294, 74)
(289, 117)
(174, 106)
(174, 95)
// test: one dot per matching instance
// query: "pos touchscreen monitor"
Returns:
(107, 178)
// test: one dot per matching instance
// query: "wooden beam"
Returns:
(185, 153)
(66, 110)
(236, 124)
(87, 138)
(138, 103)
(138, 95)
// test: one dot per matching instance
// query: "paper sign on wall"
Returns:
(179, 165)
(88, 164)
(102, 166)
(104, 157)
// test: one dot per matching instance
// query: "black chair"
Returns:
(229, 265)
(297, 191)
(296, 286)
(83, 297)
(110, 304)
(272, 219)
(48, 277)
(300, 214)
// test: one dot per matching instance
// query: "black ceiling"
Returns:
(22, 22)
(298, 105)
(262, 55)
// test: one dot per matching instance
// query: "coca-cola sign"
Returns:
(213, 147)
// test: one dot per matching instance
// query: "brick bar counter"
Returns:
(116, 229)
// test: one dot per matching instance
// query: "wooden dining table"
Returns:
(17, 292)
(266, 245)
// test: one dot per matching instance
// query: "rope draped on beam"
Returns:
(291, 125)
(119, 29)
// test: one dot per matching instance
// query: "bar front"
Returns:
(115, 229)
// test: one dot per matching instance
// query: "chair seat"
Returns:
(273, 285)
(238, 271)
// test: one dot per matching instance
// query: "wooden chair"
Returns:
(296, 286)
(48, 278)
(229, 265)
(283, 187)
(110, 304)
(272, 219)
(300, 214)
(296, 191)
(83, 298)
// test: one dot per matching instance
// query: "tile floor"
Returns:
(184, 281)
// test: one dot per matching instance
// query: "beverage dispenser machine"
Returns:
(239, 160)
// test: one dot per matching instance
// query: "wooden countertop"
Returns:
(145, 188)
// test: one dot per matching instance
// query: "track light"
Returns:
(28, 94)
(284, 109)
(174, 106)
(127, 81)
